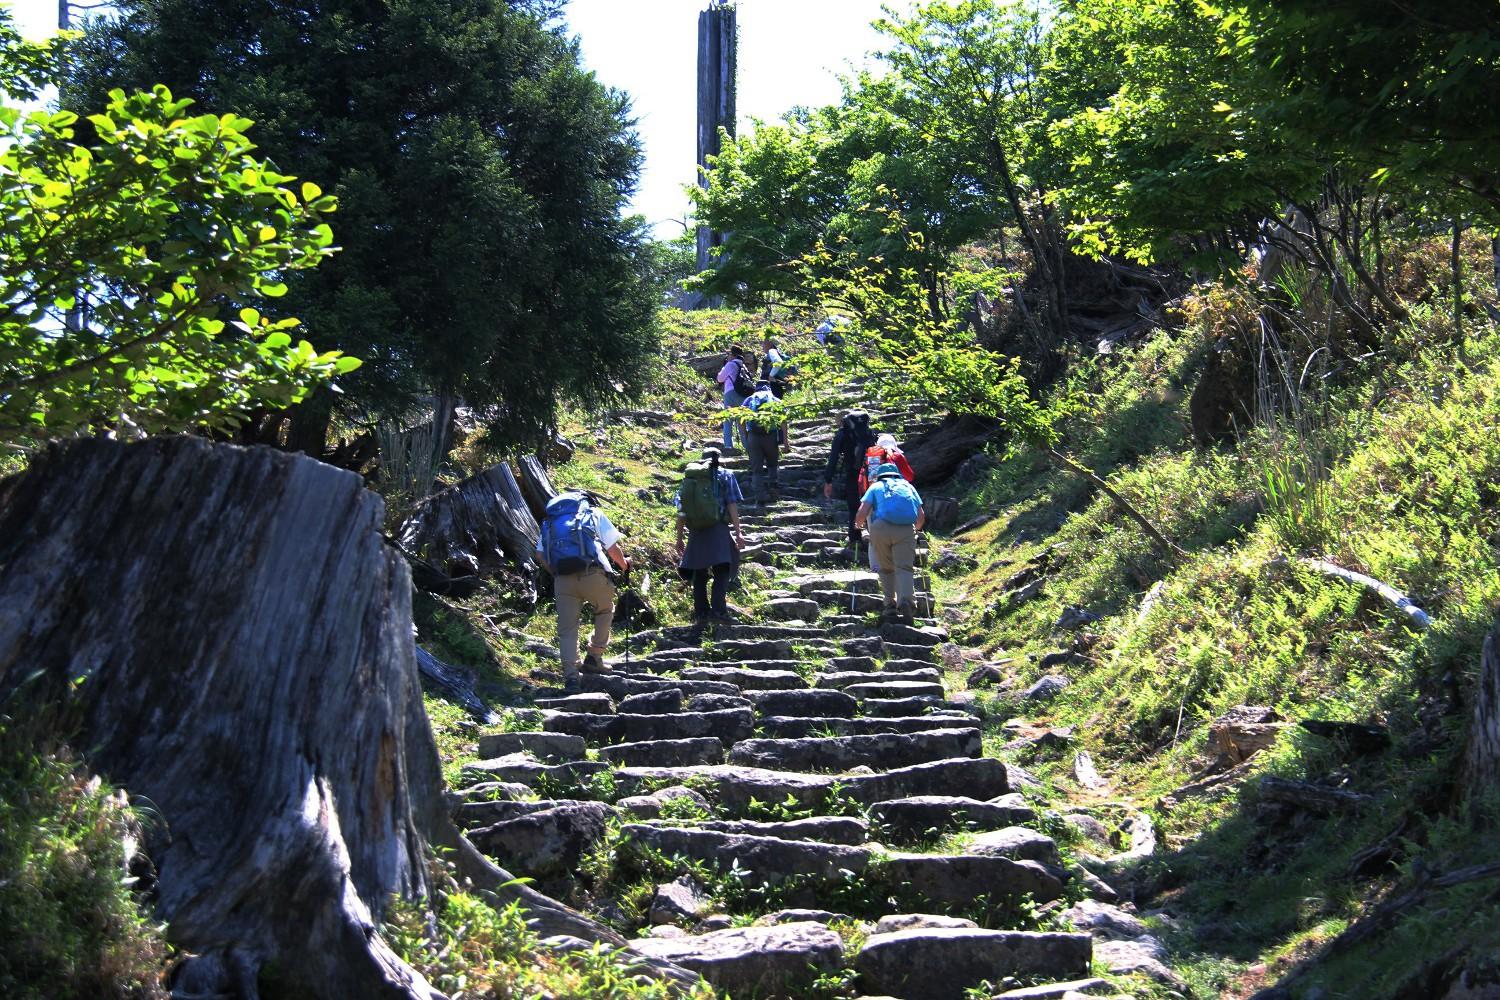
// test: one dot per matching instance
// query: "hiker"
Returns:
(773, 366)
(893, 509)
(708, 506)
(737, 382)
(763, 443)
(577, 545)
(884, 450)
(828, 332)
(845, 459)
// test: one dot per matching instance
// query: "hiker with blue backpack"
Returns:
(738, 385)
(892, 508)
(708, 507)
(763, 445)
(580, 548)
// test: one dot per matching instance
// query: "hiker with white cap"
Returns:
(892, 509)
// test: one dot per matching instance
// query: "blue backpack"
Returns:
(897, 502)
(570, 534)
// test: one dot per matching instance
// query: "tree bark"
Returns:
(1482, 757)
(235, 641)
(536, 485)
(936, 455)
(478, 527)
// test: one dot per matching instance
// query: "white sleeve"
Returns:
(609, 535)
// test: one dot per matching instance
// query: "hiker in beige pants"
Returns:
(893, 540)
(594, 587)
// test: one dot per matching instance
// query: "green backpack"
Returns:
(700, 496)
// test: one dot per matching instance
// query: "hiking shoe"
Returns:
(572, 684)
(889, 615)
(721, 617)
(593, 663)
(904, 613)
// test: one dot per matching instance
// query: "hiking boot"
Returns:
(890, 615)
(572, 684)
(721, 617)
(593, 663)
(905, 614)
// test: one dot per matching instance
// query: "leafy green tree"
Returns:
(166, 222)
(480, 173)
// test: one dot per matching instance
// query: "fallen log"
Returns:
(936, 455)
(235, 642)
(456, 684)
(1384, 591)
(1305, 795)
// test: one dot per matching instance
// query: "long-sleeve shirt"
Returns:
(845, 442)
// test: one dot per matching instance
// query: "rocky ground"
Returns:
(802, 804)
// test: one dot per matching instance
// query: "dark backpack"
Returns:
(699, 496)
(570, 534)
(858, 439)
(744, 383)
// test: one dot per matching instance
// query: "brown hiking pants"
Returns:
(895, 547)
(594, 587)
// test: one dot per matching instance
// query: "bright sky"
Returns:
(791, 52)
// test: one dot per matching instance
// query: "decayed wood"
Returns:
(936, 455)
(536, 485)
(1385, 591)
(1482, 757)
(477, 527)
(235, 640)
(456, 684)
(1304, 795)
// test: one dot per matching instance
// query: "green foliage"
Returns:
(73, 927)
(473, 949)
(165, 228)
(480, 171)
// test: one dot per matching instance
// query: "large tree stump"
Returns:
(536, 485)
(936, 455)
(476, 528)
(235, 639)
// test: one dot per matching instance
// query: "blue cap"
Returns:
(887, 470)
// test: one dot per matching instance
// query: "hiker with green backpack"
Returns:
(893, 509)
(708, 506)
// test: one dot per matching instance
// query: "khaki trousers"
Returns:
(895, 547)
(590, 587)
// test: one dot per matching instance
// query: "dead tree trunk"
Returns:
(536, 485)
(235, 639)
(478, 527)
(1482, 758)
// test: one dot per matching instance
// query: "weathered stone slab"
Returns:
(789, 727)
(943, 963)
(844, 678)
(547, 842)
(665, 753)
(959, 879)
(779, 961)
(840, 753)
(553, 748)
(667, 701)
(728, 726)
(806, 702)
(895, 689)
(1018, 843)
(919, 815)
(761, 860)
(748, 680)
(521, 768)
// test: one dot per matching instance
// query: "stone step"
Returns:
(791, 609)
(805, 702)
(519, 767)
(1018, 844)
(749, 680)
(919, 816)
(620, 686)
(1056, 991)
(546, 842)
(902, 651)
(797, 727)
(593, 703)
(779, 961)
(472, 815)
(793, 666)
(844, 679)
(729, 726)
(849, 664)
(932, 963)
(552, 748)
(665, 753)
(883, 751)
(908, 635)
(733, 787)
(758, 860)
(956, 880)
(848, 830)
(667, 701)
(895, 689)
(900, 708)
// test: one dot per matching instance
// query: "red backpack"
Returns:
(875, 457)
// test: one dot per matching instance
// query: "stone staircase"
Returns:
(821, 760)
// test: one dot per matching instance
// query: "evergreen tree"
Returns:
(480, 173)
